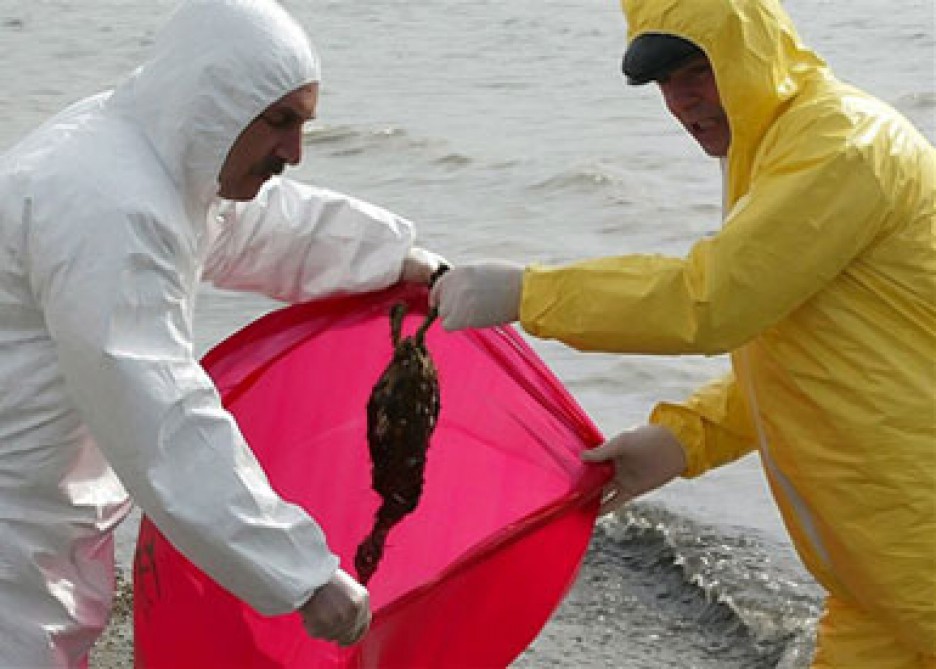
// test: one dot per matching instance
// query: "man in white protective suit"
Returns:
(110, 215)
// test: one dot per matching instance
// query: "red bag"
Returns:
(471, 576)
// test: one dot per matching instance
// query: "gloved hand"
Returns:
(478, 295)
(644, 458)
(339, 611)
(420, 264)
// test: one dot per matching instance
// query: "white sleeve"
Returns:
(116, 291)
(295, 242)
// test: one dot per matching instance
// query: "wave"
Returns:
(346, 140)
(737, 605)
(591, 177)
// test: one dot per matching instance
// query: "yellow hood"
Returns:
(760, 64)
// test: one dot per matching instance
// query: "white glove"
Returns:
(420, 264)
(339, 611)
(478, 295)
(644, 458)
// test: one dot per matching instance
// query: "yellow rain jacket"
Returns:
(822, 285)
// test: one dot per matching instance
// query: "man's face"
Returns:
(692, 97)
(271, 141)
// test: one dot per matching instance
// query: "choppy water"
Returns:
(504, 129)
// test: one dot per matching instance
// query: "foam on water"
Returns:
(728, 577)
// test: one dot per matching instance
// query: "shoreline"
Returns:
(621, 611)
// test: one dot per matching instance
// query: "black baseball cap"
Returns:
(652, 56)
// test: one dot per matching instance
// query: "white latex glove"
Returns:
(644, 458)
(420, 264)
(478, 295)
(339, 611)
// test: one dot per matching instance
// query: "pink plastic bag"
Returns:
(471, 576)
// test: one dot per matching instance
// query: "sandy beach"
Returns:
(629, 608)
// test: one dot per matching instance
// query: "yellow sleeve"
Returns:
(808, 214)
(714, 426)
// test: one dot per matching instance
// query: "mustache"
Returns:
(269, 166)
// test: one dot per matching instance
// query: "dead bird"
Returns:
(401, 415)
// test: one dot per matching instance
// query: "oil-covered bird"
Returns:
(401, 415)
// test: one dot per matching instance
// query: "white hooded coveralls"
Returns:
(107, 225)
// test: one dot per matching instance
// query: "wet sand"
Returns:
(624, 610)
(114, 650)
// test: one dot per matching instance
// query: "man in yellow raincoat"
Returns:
(822, 286)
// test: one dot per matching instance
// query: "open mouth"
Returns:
(703, 126)
(269, 169)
